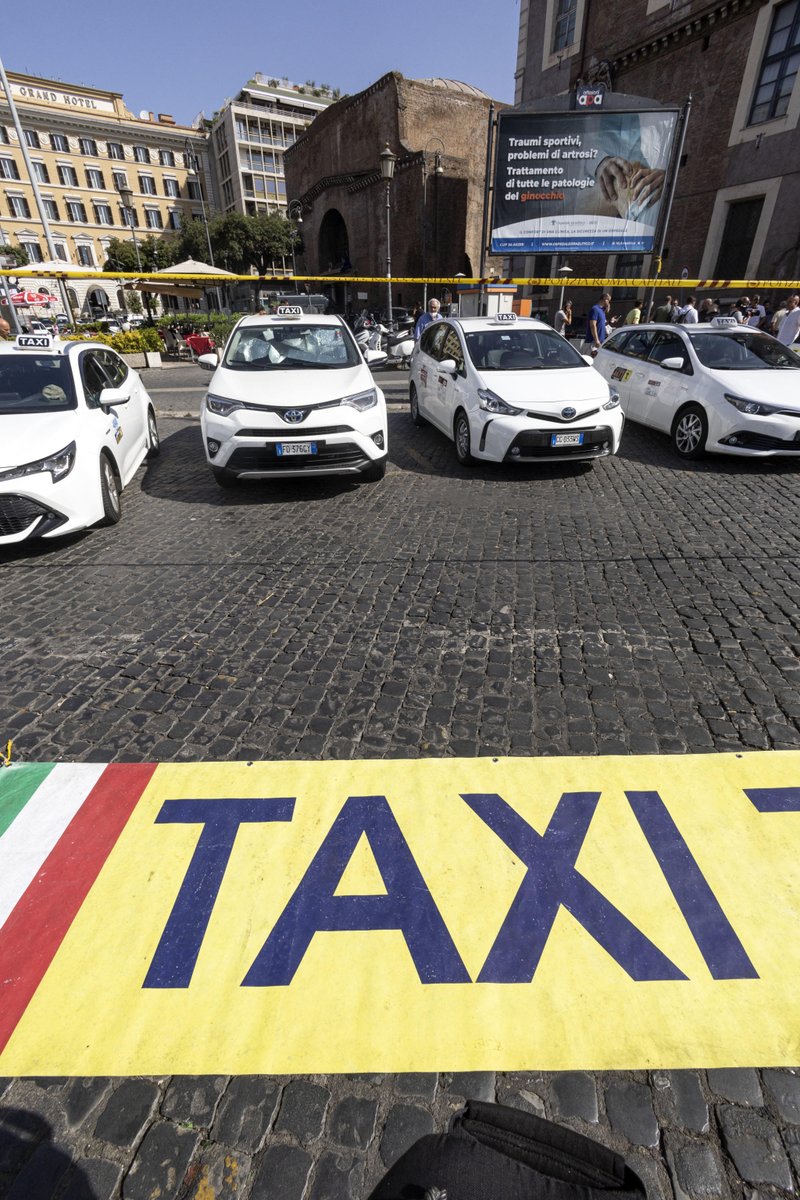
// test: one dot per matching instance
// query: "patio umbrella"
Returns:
(31, 298)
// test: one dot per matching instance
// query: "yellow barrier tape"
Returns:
(575, 281)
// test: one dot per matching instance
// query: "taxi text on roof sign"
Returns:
(503, 914)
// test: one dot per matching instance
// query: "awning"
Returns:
(166, 289)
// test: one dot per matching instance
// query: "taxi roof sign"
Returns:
(34, 341)
(290, 310)
(504, 317)
(724, 322)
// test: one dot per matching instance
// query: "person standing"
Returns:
(562, 321)
(663, 314)
(688, 314)
(707, 311)
(789, 328)
(5, 330)
(424, 321)
(757, 312)
(635, 315)
(596, 325)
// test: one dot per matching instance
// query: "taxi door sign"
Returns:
(460, 914)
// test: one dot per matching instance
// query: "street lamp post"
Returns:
(294, 212)
(388, 161)
(563, 271)
(126, 200)
(192, 164)
(438, 171)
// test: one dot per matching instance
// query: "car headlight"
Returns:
(489, 401)
(613, 399)
(361, 400)
(59, 465)
(220, 406)
(753, 408)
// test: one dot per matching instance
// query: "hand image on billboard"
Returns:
(627, 188)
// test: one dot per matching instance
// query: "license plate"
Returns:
(566, 439)
(285, 449)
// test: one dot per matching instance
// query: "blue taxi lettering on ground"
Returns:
(408, 904)
(551, 881)
(176, 954)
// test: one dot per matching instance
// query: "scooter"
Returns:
(399, 345)
(367, 332)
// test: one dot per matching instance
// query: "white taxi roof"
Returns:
(499, 321)
(292, 314)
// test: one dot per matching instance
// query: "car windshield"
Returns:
(296, 344)
(520, 349)
(742, 350)
(35, 383)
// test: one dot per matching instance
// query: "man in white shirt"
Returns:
(790, 325)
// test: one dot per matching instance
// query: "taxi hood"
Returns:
(293, 387)
(778, 388)
(27, 437)
(551, 389)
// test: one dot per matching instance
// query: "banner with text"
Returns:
(572, 182)
(420, 915)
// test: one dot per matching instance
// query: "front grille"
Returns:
(535, 443)
(257, 458)
(18, 512)
(556, 416)
(761, 441)
(294, 431)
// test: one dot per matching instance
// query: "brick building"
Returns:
(738, 194)
(437, 128)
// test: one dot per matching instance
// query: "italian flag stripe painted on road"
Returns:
(58, 842)
(17, 785)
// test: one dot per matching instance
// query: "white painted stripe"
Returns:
(33, 834)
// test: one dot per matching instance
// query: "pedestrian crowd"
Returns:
(782, 322)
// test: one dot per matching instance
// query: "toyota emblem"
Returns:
(293, 415)
(569, 413)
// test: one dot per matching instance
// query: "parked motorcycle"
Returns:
(399, 344)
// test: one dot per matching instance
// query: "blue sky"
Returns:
(187, 58)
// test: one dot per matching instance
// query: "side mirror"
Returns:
(587, 358)
(673, 364)
(112, 397)
(375, 359)
(449, 364)
(208, 362)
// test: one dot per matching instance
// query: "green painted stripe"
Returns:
(17, 785)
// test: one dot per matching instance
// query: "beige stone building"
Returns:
(84, 145)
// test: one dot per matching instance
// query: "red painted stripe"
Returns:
(40, 921)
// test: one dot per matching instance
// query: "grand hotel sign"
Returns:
(73, 100)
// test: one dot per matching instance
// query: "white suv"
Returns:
(293, 395)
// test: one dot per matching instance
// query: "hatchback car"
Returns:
(75, 425)
(512, 390)
(721, 387)
(293, 395)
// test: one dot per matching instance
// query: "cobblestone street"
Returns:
(644, 606)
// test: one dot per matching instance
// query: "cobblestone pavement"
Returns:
(643, 606)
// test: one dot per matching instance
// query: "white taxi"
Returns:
(721, 386)
(75, 425)
(508, 389)
(293, 395)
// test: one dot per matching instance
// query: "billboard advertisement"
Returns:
(572, 182)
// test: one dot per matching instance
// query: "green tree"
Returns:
(272, 237)
(192, 242)
(19, 255)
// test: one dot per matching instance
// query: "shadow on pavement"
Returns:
(39, 1168)
(198, 485)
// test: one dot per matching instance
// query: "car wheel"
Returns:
(153, 440)
(224, 477)
(689, 432)
(112, 505)
(375, 472)
(461, 437)
(413, 401)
